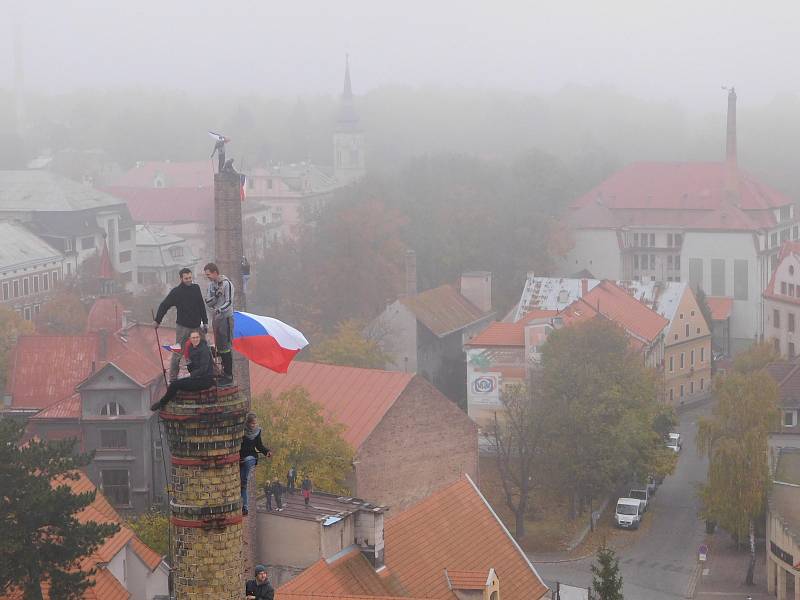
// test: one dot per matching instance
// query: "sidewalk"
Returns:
(722, 576)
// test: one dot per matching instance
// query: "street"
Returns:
(661, 557)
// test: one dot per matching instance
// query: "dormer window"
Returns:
(112, 409)
(176, 252)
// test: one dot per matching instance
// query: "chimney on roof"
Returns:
(731, 160)
(369, 534)
(102, 344)
(477, 288)
(584, 287)
(411, 273)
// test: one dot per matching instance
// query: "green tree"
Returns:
(349, 347)
(298, 434)
(606, 579)
(43, 540)
(12, 325)
(734, 438)
(153, 529)
(599, 407)
(63, 314)
(755, 358)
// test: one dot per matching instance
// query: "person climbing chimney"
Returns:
(219, 298)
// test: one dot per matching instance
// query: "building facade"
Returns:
(782, 303)
(160, 256)
(783, 521)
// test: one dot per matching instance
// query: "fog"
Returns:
(676, 51)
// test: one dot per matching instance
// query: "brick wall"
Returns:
(423, 442)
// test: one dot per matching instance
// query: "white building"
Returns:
(30, 269)
(160, 255)
(709, 224)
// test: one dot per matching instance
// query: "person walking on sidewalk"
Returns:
(219, 299)
(201, 370)
(187, 299)
(248, 454)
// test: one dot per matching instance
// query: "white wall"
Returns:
(596, 250)
(396, 328)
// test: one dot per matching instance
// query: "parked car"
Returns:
(641, 494)
(629, 513)
(674, 442)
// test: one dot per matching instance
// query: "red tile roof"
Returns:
(443, 310)
(174, 174)
(508, 334)
(167, 205)
(106, 313)
(619, 306)
(357, 398)
(455, 528)
(149, 557)
(721, 307)
(467, 580)
(68, 408)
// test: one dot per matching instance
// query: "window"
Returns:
(55, 278)
(696, 273)
(791, 289)
(789, 418)
(678, 239)
(36, 283)
(691, 358)
(112, 409)
(691, 314)
(125, 256)
(776, 343)
(127, 276)
(691, 387)
(124, 235)
(680, 316)
(776, 318)
(790, 350)
(702, 384)
(87, 243)
(677, 262)
(671, 395)
(6, 291)
(652, 239)
(652, 261)
(702, 354)
(786, 213)
(676, 336)
(683, 356)
(113, 438)
(783, 287)
(740, 279)
(27, 313)
(635, 261)
(671, 364)
(36, 308)
(717, 276)
(669, 261)
(68, 245)
(687, 330)
(45, 282)
(26, 287)
(69, 268)
(773, 240)
(790, 321)
(16, 288)
(791, 269)
(176, 252)
(795, 232)
(784, 235)
(669, 240)
(682, 394)
(115, 486)
(269, 184)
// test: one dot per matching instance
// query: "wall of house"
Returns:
(684, 384)
(396, 330)
(285, 543)
(784, 333)
(746, 318)
(778, 570)
(337, 536)
(26, 289)
(422, 443)
(596, 250)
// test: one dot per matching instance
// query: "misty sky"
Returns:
(681, 51)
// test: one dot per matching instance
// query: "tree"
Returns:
(756, 357)
(606, 579)
(599, 409)
(516, 438)
(63, 314)
(298, 434)
(349, 347)
(42, 536)
(734, 438)
(12, 325)
(153, 529)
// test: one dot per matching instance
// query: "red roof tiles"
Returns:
(721, 307)
(167, 205)
(191, 174)
(508, 334)
(68, 408)
(467, 580)
(106, 313)
(619, 306)
(443, 310)
(357, 398)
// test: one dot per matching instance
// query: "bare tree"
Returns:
(516, 441)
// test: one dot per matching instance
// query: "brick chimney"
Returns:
(369, 534)
(584, 287)
(731, 159)
(411, 273)
(476, 287)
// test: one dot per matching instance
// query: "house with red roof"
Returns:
(448, 546)
(125, 567)
(710, 224)
(782, 303)
(409, 439)
(97, 387)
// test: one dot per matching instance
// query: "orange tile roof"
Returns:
(501, 333)
(467, 580)
(68, 408)
(443, 310)
(356, 398)
(721, 307)
(281, 595)
(106, 313)
(618, 305)
(455, 528)
(149, 556)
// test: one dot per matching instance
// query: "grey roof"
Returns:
(65, 223)
(38, 190)
(22, 248)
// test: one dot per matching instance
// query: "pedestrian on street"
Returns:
(201, 370)
(306, 487)
(259, 588)
(219, 298)
(275, 489)
(291, 478)
(187, 299)
(248, 455)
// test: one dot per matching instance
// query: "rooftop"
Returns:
(443, 310)
(168, 174)
(787, 375)
(22, 248)
(168, 204)
(721, 307)
(324, 508)
(34, 191)
(784, 497)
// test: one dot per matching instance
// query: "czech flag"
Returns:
(242, 187)
(176, 348)
(266, 341)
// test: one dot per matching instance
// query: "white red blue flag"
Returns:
(242, 187)
(266, 341)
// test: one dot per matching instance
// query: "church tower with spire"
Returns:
(348, 139)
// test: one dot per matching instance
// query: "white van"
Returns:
(629, 513)
(674, 442)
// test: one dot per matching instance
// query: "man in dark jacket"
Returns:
(275, 489)
(259, 588)
(201, 370)
(291, 478)
(187, 299)
(248, 454)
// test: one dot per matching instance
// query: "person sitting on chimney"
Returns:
(259, 588)
(248, 455)
(201, 370)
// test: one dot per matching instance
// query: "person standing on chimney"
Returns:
(219, 298)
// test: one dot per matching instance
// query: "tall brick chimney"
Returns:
(411, 273)
(731, 159)
(477, 288)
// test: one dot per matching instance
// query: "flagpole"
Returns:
(158, 345)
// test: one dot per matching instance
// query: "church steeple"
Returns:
(348, 117)
(348, 139)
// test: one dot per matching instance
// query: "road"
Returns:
(659, 560)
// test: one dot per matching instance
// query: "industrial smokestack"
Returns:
(411, 273)
(731, 160)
